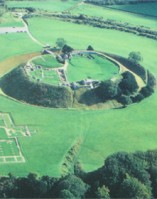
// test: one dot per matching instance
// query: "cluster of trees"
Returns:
(126, 91)
(107, 24)
(123, 175)
(121, 91)
(117, 2)
(17, 85)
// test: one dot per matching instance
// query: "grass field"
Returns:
(47, 61)
(101, 39)
(13, 44)
(102, 132)
(118, 15)
(7, 20)
(97, 68)
(49, 5)
(141, 8)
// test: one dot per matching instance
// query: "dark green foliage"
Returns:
(135, 57)
(124, 175)
(147, 91)
(67, 49)
(72, 185)
(151, 80)
(153, 174)
(128, 83)
(66, 194)
(90, 48)
(30, 9)
(103, 193)
(107, 90)
(60, 42)
(124, 99)
(117, 2)
(17, 85)
(139, 97)
(133, 188)
(118, 165)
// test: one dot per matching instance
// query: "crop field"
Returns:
(115, 14)
(93, 67)
(49, 5)
(54, 131)
(140, 8)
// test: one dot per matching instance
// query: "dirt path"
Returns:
(30, 35)
(12, 62)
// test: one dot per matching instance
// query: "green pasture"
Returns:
(103, 131)
(95, 67)
(13, 44)
(80, 36)
(8, 20)
(47, 61)
(49, 5)
(115, 14)
(140, 8)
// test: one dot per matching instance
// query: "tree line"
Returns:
(105, 24)
(123, 175)
(117, 2)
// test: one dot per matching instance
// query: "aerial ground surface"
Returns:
(48, 133)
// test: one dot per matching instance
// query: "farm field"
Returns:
(49, 5)
(102, 132)
(140, 8)
(115, 14)
(96, 68)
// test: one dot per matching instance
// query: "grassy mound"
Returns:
(17, 85)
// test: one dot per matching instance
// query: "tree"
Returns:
(90, 48)
(135, 57)
(67, 49)
(102, 193)
(124, 99)
(60, 42)
(118, 165)
(133, 188)
(128, 84)
(107, 90)
(72, 185)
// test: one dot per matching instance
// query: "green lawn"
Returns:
(97, 68)
(102, 131)
(49, 5)
(118, 15)
(47, 61)
(16, 44)
(141, 8)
